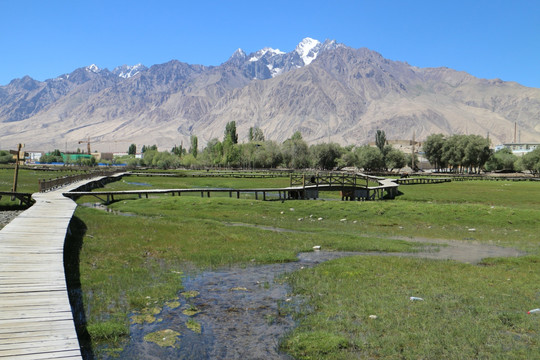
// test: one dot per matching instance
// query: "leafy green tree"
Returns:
(369, 158)
(409, 161)
(453, 152)
(297, 136)
(212, 155)
(230, 132)
(132, 163)
(231, 153)
(190, 161)
(132, 149)
(380, 140)
(324, 156)
(502, 160)
(54, 156)
(177, 150)
(476, 152)
(6, 157)
(433, 148)
(146, 148)
(348, 157)
(395, 159)
(531, 161)
(255, 134)
(268, 155)
(295, 152)
(194, 144)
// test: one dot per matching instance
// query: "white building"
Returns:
(518, 149)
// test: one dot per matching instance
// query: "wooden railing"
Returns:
(51, 184)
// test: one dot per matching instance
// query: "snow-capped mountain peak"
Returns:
(308, 49)
(263, 52)
(239, 53)
(93, 68)
(127, 71)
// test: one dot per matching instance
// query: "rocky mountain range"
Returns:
(327, 91)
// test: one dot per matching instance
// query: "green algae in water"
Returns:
(239, 288)
(173, 304)
(193, 326)
(190, 294)
(146, 316)
(143, 318)
(190, 311)
(163, 338)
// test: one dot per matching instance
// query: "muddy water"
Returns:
(240, 313)
(240, 310)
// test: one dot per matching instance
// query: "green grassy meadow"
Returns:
(134, 260)
(28, 182)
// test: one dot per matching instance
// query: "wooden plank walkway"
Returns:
(35, 315)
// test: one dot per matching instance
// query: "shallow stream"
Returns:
(240, 312)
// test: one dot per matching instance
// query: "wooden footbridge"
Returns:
(352, 186)
(36, 320)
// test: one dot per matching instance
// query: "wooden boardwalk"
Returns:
(36, 321)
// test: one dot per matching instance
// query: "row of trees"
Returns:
(456, 153)
(471, 153)
(260, 153)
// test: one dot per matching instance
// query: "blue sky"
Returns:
(488, 39)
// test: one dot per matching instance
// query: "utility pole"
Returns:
(413, 144)
(16, 176)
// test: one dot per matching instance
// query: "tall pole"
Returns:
(16, 176)
(413, 144)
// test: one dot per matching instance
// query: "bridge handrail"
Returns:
(51, 184)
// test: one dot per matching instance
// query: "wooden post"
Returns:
(16, 176)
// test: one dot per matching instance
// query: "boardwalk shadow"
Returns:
(72, 248)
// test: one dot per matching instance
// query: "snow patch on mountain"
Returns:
(239, 53)
(274, 71)
(127, 71)
(308, 49)
(93, 68)
(261, 53)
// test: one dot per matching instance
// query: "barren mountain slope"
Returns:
(329, 93)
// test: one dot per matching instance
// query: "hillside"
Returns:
(328, 91)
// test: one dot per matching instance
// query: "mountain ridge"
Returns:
(328, 91)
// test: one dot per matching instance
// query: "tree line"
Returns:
(472, 154)
(455, 153)
(259, 153)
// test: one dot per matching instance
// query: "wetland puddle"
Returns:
(238, 313)
(234, 313)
